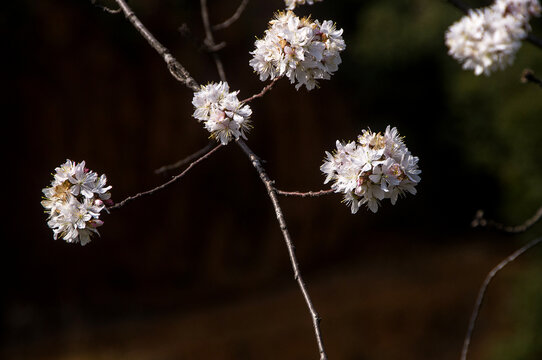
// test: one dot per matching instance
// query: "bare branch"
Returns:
(236, 15)
(187, 159)
(171, 181)
(465, 9)
(175, 68)
(483, 289)
(105, 8)
(304, 194)
(286, 235)
(264, 90)
(210, 41)
(479, 220)
(528, 76)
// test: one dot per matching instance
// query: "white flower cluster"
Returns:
(223, 115)
(291, 4)
(298, 48)
(376, 167)
(74, 202)
(487, 39)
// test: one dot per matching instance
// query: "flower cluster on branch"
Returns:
(301, 49)
(74, 202)
(488, 39)
(223, 115)
(376, 167)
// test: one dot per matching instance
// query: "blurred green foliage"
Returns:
(492, 124)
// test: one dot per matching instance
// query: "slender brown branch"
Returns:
(304, 194)
(187, 159)
(528, 76)
(236, 15)
(175, 68)
(264, 90)
(289, 244)
(465, 9)
(171, 181)
(479, 220)
(483, 289)
(210, 41)
(105, 8)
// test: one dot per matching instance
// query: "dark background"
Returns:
(200, 270)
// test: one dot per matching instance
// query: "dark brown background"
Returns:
(200, 270)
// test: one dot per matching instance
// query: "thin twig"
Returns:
(105, 8)
(171, 181)
(286, 235)
(465, 9)
(479, 220)
(233, 18)
(175, 68)
(483, 288)
(528, 76)
(186, 160)
(210, 41)
(304, 194)
(264, 90)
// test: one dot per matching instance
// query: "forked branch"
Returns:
(481, 221)
(175, 68)
(291, 249)
(187, 159)
(166, 184)
(233, 18)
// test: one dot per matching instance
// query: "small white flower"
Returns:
(74, 202)
(376, 167)
(291, 4)
(223, 115)
(300, 49)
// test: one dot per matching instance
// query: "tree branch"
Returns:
(171, 181)
(286, 235)
(105, 8)
(233, 18)
(483, 289)
(186, 160)
(264, 90)
(304, 194)
(210, 41)
(175, 68)
(479, 220)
